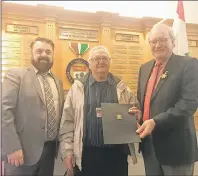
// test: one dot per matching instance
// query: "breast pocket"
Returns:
(171, 87)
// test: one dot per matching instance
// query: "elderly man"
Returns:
(168, 96)
(32, 101)
(81, 135)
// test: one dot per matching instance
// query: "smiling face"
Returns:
(99, 61)
(161, 42)
(42, 56)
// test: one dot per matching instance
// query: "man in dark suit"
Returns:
(168, 97)
(32, 101)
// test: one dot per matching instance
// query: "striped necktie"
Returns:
(51, 112)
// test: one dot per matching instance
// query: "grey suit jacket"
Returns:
(173, 103)
(24, 113)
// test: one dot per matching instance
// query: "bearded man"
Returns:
(32, 100)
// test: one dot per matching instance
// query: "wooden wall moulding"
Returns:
(22, 29)
(13, 44)
(127, 37)
(119, 47)
(78, 34)
(119, 51)
(192, 43)
(60, 14)
(133, 72)
(50, 30)
(16, 62)
(118, 56)
(134, 57)
(114, 66)
(11, 50)
(8, 56)
(118, 71)
(117, 61)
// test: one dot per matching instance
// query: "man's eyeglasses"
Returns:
(100, 58)
(160, 40)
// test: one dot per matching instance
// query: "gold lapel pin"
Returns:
(119, 117)
(164, 75)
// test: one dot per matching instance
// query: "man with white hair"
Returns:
(81, 135)
(168, 97)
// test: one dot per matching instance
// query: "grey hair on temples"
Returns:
(96, 48)
(159, 25)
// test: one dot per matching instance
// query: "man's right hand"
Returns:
(134, 110)
(16, 158)
(70, 163)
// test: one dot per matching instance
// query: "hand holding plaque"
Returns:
(119, 127)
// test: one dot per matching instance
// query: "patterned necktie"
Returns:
(51, 112)
(149, 91)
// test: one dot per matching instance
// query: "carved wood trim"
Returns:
(10, 10)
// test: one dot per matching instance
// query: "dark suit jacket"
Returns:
(173, 104)
(24, 113)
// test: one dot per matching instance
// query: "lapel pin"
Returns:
(164, 75)
(119, 117)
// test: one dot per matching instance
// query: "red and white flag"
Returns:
(179, 27)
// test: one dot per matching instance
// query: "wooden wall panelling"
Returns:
(51, 33)
(17, 34)
(192, 32)
(77, 35)
(127, 52)
(125, 37)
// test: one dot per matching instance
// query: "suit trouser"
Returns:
(104, 162)
(44, 167)
(153, 167)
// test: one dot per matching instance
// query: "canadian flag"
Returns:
(179, 27)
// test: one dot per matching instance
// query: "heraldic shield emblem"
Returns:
(78, 67)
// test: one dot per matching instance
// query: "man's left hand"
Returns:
(146, 128)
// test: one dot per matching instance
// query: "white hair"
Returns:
(96, 48)
(160, 25)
